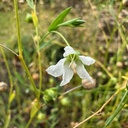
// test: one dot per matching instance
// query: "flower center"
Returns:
(72, 58)
(72, 65)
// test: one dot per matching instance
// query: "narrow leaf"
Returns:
(60, 18)
(117, 110)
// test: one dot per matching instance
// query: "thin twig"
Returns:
(9, 49)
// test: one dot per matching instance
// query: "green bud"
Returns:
(65, 101)
(78, 22)
(113, 80)
(41, 116)
(73, 22)
(50, 95)
(29, 18)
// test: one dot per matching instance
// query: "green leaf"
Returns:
(30, 3)
(60, 18)
(117, 110)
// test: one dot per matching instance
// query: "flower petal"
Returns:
(68, 74)
(87, 60)
(81, 71)
(56, 70)
(68, 50)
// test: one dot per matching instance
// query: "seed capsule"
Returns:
(88, 85)
(3, 86)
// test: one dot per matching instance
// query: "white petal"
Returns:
(56, 70)
(81, 71)
(87, 60)
(68, 74)
(68, 50)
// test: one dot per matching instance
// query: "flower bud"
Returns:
(74, 22)
(78, 22)
(28, 18)
(50, 95)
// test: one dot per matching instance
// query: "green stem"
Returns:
(29, 75)
(61, 36)
(20, 56)
(44, 36)
(18, 27)
(29, 122)
(71, 90)
(40, 65)
(24, 65)
(37, 42)
(7, 119)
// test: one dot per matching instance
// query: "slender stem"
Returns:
(71, 90)
(9, 73)
(24, 65)
(40, 65)
(37, 42)
(29, 75)
(105, 69)
(8, 115)
(29, 122)
(20, 56)
(44, 36)
(61, 36)
(18, 27)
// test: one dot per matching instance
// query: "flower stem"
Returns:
(44, 36)
(61, 36)
(71, 90)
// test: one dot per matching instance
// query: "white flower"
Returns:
(70, 63)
